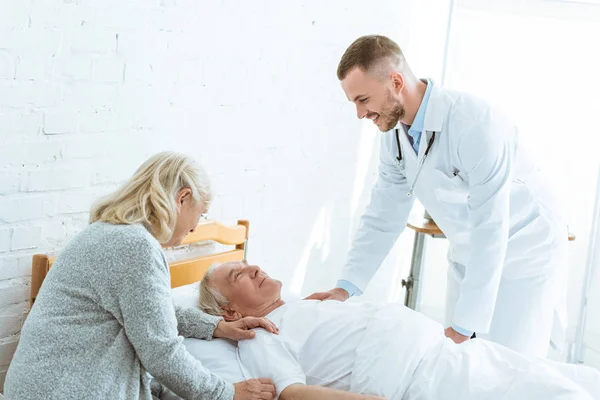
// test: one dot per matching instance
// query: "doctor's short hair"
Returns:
(148, 197)
(212, 300)
(370, 51)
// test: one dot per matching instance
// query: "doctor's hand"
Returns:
(252, 389)
(455, 336)
(338, 294)
(241, 329)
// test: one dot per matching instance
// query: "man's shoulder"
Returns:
(467, 112)
(263, 344)
(471, 106)
(262, 337)
(268, 355)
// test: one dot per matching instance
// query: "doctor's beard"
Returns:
(393, 111)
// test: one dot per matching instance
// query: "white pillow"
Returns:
(186, 296)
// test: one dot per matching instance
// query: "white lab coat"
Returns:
(507, 240)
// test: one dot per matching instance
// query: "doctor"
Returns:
(464, 162)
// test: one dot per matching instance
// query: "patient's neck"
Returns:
(268, 308)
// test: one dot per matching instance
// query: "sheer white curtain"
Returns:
(539, 61)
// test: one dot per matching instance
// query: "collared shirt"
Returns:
(414, 131)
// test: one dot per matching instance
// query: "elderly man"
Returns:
(335, 350)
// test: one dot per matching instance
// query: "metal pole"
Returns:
(577, 354)
(412, 284)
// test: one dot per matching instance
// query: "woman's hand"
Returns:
(240, 329)
(254, 389)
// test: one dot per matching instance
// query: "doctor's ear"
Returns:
(397, 80)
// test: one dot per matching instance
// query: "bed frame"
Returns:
(183, 272)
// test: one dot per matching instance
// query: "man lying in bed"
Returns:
(377, 349)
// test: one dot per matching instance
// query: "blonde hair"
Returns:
(369, 51)
(212, 300)
(148, 197)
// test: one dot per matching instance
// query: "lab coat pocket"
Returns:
(451, 188)
(451, 193)
(458, 181)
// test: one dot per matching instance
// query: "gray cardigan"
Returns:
(104, 319)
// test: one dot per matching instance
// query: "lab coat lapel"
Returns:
(425, 137)
(436, 110)
(434, 118)
(408, 155)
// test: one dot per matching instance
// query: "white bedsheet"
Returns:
(398, 354)
(479, 369)
(474, 370)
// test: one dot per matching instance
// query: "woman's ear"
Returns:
(183, 195)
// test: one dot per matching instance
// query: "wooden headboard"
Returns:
(183, 272)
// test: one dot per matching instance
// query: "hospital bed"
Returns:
(220, 356)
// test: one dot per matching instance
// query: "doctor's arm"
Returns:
(486, 153)
(303, 392)
(383, 221)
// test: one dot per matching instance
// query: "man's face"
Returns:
(375, 99)
(248, 288)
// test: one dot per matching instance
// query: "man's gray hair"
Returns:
(212, 300)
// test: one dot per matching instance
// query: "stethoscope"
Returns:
(400, 161)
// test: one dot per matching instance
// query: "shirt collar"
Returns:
(419, 121)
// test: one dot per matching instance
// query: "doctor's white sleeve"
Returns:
(486, 153)
(384, 219)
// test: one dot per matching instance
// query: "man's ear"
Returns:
(230, 315)
(397, 80)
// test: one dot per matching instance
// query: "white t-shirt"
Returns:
(316, 344)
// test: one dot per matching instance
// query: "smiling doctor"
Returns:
(464, 162)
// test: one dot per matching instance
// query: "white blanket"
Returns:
(479, 369)
(474, 370)
(399, 354)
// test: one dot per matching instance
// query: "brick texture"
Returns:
(89, 90)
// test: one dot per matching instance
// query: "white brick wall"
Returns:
(5, 238)
(88, 90)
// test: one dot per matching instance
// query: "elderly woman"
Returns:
(104, 317)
